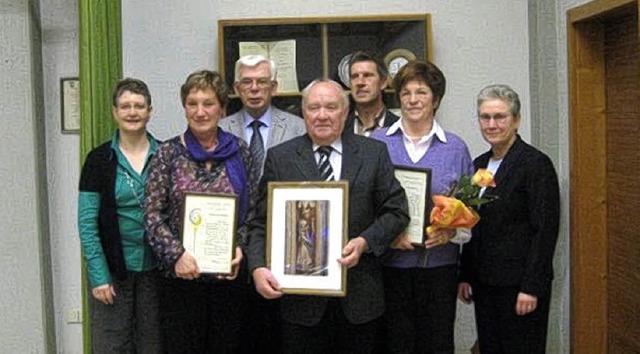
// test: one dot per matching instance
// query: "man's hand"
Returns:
(402, 243)
(104, 293)
(186, 267)
(266, 283)
(352, 251)
(526, 304)
(465, 293)
(235, 266)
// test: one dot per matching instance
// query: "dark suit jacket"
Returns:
(389, 119)
(514, 242)
(377, 211)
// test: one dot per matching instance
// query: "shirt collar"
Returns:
(265, 118)
(336, 145)
(436, 130)
(379, 123)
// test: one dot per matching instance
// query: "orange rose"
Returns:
(483, 178)
(451, 213)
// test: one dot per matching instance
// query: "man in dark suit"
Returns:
(368, 79)
(377, 214)
(255, 83)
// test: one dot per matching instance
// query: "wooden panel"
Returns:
(596, 9)
(623, 194)
(588, 208)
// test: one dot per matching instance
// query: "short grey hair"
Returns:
(500, 92)
(343, 93)
(253, 61)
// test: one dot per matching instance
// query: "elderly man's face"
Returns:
(324, 113)
(255, 88)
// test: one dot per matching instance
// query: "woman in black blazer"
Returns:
(507, 267)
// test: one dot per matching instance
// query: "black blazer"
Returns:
(99, 175)
(514, 242)
(378, 211)
(389, 119)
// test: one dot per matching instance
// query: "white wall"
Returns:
(60, 60)
(23, 284)
(476, 43)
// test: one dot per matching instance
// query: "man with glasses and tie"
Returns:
(377, 214)
(259, 123)
(262, 126)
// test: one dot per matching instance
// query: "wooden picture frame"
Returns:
(307, 227)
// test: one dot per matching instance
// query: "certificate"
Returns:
(417, 185)
(209, 230)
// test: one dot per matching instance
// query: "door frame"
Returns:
(588, 188)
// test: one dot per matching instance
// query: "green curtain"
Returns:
(100, 69)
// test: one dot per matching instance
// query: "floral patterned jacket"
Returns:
(172, 173)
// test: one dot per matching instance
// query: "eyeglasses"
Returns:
(498, 117)
(261, 83)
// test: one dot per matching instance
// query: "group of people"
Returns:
(148, 294)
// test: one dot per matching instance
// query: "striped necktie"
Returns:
(256, 147)
(324, 167)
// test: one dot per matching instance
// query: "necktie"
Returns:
(256, 147)
(324, 167)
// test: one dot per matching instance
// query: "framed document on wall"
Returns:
(70, 104)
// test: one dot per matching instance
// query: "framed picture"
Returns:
(70, 104)
(209, 230)
(307, 228)
(417, 184)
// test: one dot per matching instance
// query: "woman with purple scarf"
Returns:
(199, 313)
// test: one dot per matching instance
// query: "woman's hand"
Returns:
(465, 293)
(439, 237)
(235, 266)
(186, 267)
(104, 293)
(402, 243)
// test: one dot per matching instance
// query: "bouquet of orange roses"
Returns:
(458, 208)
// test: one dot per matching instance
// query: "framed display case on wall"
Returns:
(307, 48)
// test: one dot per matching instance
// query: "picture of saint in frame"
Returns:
(306, 246)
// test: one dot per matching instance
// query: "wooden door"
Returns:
(605, 177)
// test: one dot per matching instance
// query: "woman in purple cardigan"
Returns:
(421, 282)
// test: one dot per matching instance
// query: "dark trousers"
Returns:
(265, 324)
(131, 324)
(205, 317)
(333, 335)
(501, 330)
(420, 309)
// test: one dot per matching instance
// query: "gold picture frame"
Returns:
(209, 230)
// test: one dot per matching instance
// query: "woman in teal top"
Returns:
(120, 263)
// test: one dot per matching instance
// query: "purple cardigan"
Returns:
(447, 161)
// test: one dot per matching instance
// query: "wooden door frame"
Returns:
(588, 192)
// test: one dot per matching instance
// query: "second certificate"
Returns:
(417, 185)
(209, 230)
